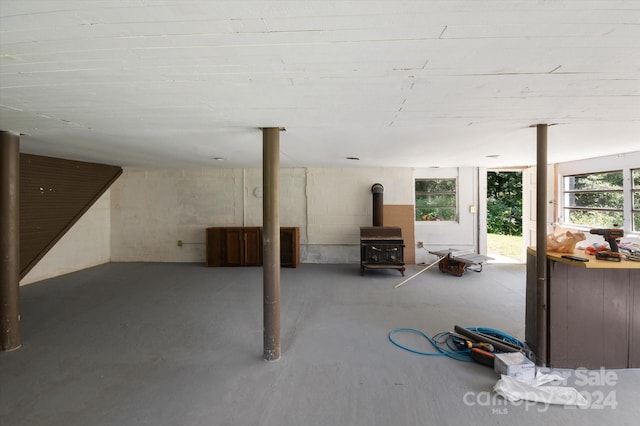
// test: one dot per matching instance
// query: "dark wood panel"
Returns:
(584, 319)
(234, 242)
(252, 247)
(242, 246)
(290, 247)
(214, 246)
(531, 307)
(615, 313)
(54, 194)
(634, 329)
(594, 315)
(558, 328)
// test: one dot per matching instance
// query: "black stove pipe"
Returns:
(377, 190)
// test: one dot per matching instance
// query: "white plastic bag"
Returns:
(565, 242)
(515, 390)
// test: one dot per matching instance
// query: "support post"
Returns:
(271, 241)
(10, 338)
(542, 314)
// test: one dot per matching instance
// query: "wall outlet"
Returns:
(420, 244)
(179, 243)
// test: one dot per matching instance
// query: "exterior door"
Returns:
(529, 207)
(529, 210)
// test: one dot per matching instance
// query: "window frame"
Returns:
(635, 192)
(566, 209)
(455, 194)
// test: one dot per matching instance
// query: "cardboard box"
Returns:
(516, 365)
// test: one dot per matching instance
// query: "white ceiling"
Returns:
(395, 83)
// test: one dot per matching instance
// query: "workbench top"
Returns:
(593, 263)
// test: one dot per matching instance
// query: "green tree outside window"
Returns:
(436, 199)
(594, 199)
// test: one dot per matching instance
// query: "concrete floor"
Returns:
(181, 344)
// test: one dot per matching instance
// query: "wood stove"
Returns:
(381, 247)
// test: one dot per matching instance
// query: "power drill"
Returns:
(610, 235)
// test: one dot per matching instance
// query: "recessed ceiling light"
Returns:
(493, 156)
(218, 158)
(353, 158)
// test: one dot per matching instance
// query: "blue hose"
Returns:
(447, 343)
(437, 342)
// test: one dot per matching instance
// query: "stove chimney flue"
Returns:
(377, 190)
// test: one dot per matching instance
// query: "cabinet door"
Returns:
(289, 247)
(252, 247)
(235, 247)
(215, 247)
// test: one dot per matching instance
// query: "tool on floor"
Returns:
(479, 345)
(417, 273)
(457, 346)
(499, 344)
(456, 262)
(483, 357)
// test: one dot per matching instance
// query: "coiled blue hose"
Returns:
(448, 344)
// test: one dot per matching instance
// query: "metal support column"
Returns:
(542, 313)
(271, 241)
(9, 241)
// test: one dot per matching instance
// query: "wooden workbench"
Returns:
(593, 308)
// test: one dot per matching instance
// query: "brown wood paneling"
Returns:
(290, 247)
(558, 330)
(402, 215)
(54, 194)
(634, 329)
(615, 311)
(216, 246)
(235, 247)
(531, 307)
(585, 325)
(253, 246)
(594, 315)
(242, 246)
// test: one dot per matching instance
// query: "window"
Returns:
(594, 199)
(436, 199)
(635, 190)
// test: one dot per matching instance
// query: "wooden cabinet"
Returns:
(290, 247)
(242, 246)
(234, 246)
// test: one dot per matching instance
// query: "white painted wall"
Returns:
(147, 211)
(440, 235)
(86, 244)
(153, 209)
(339, 202)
